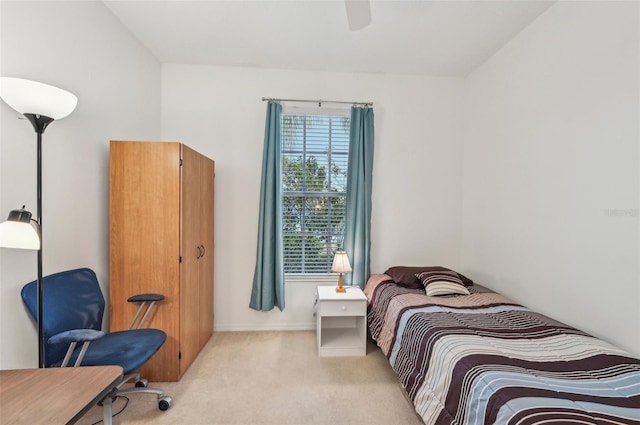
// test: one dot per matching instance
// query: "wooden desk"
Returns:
(54, 395)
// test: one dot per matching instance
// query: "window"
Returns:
(315, 152)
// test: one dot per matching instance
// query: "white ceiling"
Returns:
(425, 37)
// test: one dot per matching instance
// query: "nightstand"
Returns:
(341, 322)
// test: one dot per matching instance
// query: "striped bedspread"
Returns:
(482, 359)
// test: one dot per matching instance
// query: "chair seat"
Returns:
(129, 349)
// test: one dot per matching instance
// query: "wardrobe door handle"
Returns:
(199, 252)
(203, 250)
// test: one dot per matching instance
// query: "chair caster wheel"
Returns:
(142, 383)
(165, 403)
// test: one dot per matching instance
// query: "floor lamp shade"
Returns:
(19, 232)
(32, 97)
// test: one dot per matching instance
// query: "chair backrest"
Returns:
(71, 300)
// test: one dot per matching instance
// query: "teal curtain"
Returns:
(357, 238)
(268, 278)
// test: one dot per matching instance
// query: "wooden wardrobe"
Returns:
(161, 202)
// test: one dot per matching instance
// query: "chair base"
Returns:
(164, 401)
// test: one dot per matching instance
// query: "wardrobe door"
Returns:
(144, 207)
(207, 176)
(191, 253)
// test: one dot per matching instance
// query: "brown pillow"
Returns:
(406, 275)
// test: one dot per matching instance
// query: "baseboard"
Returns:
(309, 326)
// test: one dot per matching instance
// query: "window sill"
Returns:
(323, 279)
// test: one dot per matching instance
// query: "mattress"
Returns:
(483, 359)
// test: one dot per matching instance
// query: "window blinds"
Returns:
(315, 151)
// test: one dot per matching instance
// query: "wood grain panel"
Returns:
(144, 206)
(53, 396)
(207, 196)
(191, 253)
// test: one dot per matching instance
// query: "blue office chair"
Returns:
(73, 306)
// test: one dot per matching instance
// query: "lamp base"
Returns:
(340, 288)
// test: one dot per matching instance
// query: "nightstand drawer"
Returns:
(343, 308)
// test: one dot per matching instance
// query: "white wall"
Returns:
(551, 172)
(417, 170)
(81, 47)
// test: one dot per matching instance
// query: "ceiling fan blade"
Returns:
(358, 13)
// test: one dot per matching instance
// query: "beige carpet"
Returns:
(274, 378)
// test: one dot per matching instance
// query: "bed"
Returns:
(483, 359)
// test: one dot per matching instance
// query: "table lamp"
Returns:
(340, 265)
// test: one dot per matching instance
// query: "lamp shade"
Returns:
(341, 262)
(18, 232)
(32, 97)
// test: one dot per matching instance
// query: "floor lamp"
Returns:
(41, 104)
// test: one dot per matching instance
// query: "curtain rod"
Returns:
(319, 101)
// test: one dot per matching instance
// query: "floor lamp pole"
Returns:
(39, 220)
(40, 123)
